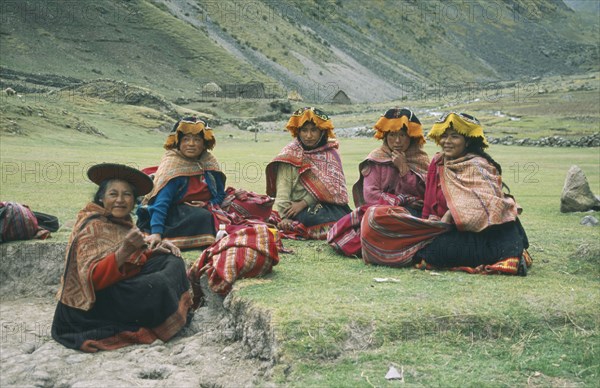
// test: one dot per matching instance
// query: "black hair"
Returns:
(475, 146)
(102, 191)
(179, 136)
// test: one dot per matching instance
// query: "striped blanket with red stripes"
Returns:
(249, 252)
(391, 236)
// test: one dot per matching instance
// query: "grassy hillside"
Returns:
(374, 51)
(135, 41)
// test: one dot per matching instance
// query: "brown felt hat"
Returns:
(100, 172)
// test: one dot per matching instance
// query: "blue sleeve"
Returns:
(216, 186)
(163, 200)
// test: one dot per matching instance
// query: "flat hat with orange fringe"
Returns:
(304, 115)
(190, 126)
(462, 123)
(396, 119)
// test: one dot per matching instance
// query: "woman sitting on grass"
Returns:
(470, 224)
(187, 184)
(307, 179)
(115, 290)
(393, 174)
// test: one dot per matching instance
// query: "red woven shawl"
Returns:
(320, 171)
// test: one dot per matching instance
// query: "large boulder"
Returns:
(577, 195)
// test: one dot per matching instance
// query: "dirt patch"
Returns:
(229, 342)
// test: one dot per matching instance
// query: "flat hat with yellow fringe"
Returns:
(304, 115)
(190, 126)
(462, 123)
(395, 119)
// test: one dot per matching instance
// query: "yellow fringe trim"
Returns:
(189, 128)
(296, 122)
(414, 130)
(460, 125)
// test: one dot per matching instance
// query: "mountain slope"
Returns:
(374, 51)
(134, 41)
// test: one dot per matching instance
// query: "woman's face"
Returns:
(453, 144)
(119, 198)
(398, 140)
(191, 146)
(310, 134)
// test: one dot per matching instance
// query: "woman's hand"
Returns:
(399, 160)
(447, 218)
(167, 246)
(154, 240)
(172, 248)
(285, 224)
(296, 208)
(133, 241)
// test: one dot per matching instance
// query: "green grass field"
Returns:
(335, 325)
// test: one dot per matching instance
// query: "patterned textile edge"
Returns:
(344, 235)
(299, 231)
(319, 232)
(191, 242)
(508, 266)
(164, 331)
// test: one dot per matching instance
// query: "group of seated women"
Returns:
(126, 284)
(466, 222)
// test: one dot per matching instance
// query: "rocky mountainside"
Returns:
(372, 51)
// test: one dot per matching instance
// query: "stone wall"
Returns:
(550, 141)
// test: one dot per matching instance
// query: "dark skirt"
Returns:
(322, 213)
(153, 304)
(186, 226)
(456, 249)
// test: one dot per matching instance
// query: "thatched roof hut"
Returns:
(341, 98)
(211, 89)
